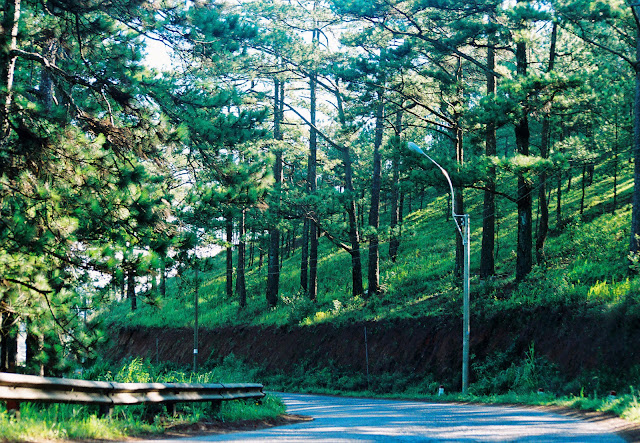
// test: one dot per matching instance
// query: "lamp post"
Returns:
(195, 302)
(462, 224)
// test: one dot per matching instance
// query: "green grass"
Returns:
(585, 270)
(585, 263)
(40, 422)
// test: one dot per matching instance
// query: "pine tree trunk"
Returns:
(163, 278)
(559, 202)
(374, 210)
(8, 343)
(154, 282)
(312, 181)
(304, 257)
(241, 288)
(394, 241)
(8, 42)
(524, 254)
(615, 168)
(583, 189)
(229, 253)
(487, 257)
(357, 285)
(34, 345)
(131, 289)
(635, 210)
(459, 153)
(123, 283)
(273, 254)
(545, 143)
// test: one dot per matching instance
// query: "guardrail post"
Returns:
(172, 408)
(215, 406)
(105, 411)
(13, 408)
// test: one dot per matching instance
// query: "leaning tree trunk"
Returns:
(352, 215)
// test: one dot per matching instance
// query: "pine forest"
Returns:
(291, 164)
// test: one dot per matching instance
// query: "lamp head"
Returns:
(415, 148)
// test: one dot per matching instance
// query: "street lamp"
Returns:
(462, 224)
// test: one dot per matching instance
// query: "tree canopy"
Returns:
(278, 123)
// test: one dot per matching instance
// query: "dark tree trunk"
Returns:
(583, 188)
(559, 202)
(229, 252)
(252, 247)
(273, 254)
(357, 285)
(163, 278)
(123, 282)
(241, 288)
(374, 210)
(635, 211)
(459, 152)
(394, 241)
(545, 143)
(312, 182)
(154, 282)
(34, 344)
(487, 257)
(8, 343)
(615, 168)
(304, 257)
(524, 254)
(131, 288)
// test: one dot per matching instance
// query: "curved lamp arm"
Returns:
(415, 148)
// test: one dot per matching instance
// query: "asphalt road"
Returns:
(339, 419)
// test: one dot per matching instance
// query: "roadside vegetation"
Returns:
(40, 422)
(581, 273)
(582, 270)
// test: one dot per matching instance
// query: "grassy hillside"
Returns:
(586, 268)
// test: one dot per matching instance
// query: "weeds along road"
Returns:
(338, 419)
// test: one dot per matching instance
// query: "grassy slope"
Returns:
(585, 266)
(586, 269)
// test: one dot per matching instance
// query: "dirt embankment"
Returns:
(573, 342)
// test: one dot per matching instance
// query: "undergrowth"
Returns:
(584, 266)
(38, 422)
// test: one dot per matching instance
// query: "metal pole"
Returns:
(195, 325)
(366, 354)
(465, 232)
(466, 309)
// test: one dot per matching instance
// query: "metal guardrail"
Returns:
(16, 388)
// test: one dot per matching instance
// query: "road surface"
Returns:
(339, 419)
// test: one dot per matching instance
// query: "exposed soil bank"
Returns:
(576, 343)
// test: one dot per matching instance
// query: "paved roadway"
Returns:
(339, 419)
